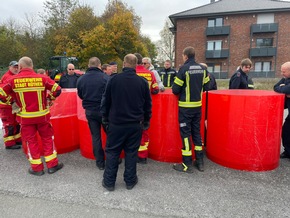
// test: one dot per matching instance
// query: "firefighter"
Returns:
(283, 86)
(11, 136)
(192, 79)
(154, 89)
(69, 80)
(167, 74)
(240, 79)
(91, 87)
(30, 91)
(125, 115)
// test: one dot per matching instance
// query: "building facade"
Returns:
(226, 31)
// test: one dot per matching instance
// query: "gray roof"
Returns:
(226, 7)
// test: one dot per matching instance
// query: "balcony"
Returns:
(263, 52)
(262, 74)
(264, 28)
(218, 30)
(220, 75)
(224, 53)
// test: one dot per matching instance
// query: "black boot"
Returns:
(199, 164)
(199, 161)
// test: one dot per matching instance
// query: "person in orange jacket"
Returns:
(11, 135)
(154, 89)
(30, 91)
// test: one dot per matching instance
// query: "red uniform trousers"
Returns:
(11, 133)
(29, 133)
(143, 149)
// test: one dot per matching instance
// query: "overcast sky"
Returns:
(152, 12)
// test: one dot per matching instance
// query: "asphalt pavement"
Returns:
(76, 191)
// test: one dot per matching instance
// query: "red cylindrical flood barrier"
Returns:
(244, 128)
(86, 146)
(165, 140)
(65, 122)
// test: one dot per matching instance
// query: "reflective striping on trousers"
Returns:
(50, 157)
(35, 161)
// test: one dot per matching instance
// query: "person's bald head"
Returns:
(25, 62)
(130, 60)
(285, 69)
(95, 62)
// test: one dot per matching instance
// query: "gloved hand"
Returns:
(49, 103)
(146, 125)
(105, 122)
(15, 108)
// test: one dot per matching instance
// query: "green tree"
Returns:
(10, 44)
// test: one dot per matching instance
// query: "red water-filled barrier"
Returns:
(244, 128)
(165, 141)
(86, 146)
(65, 122)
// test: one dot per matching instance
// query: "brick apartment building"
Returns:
(226, 31)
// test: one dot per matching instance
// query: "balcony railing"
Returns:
(224, 53)
(263, 52)
(218, 30)
(221, 75)
(264, 28)
(262, 74)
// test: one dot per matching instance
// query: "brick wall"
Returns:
(192, 32)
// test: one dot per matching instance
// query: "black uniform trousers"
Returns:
(189, 125)
(95, 122)
(119, 137)
(286, 134)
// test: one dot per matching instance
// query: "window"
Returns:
(214, 68)
(214, 45)
(212, 22)
(265, 18)
(265, 42)
(263, 66)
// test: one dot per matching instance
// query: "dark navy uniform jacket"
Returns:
(240, 80)
(127, 98)
(283, 86)
(91, 87)
(191, 80)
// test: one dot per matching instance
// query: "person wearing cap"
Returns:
(154, 89)
(12, 136)
(31, 93)
(114, 67)
(69, 80)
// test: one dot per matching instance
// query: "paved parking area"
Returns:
(76, 191)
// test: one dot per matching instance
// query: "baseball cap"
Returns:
(113, 63)
(13, 63)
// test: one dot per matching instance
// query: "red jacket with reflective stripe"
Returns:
(7, 76)
(31, 95)
(149, 76)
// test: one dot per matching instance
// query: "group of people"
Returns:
(26, 94)
(121, 104)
